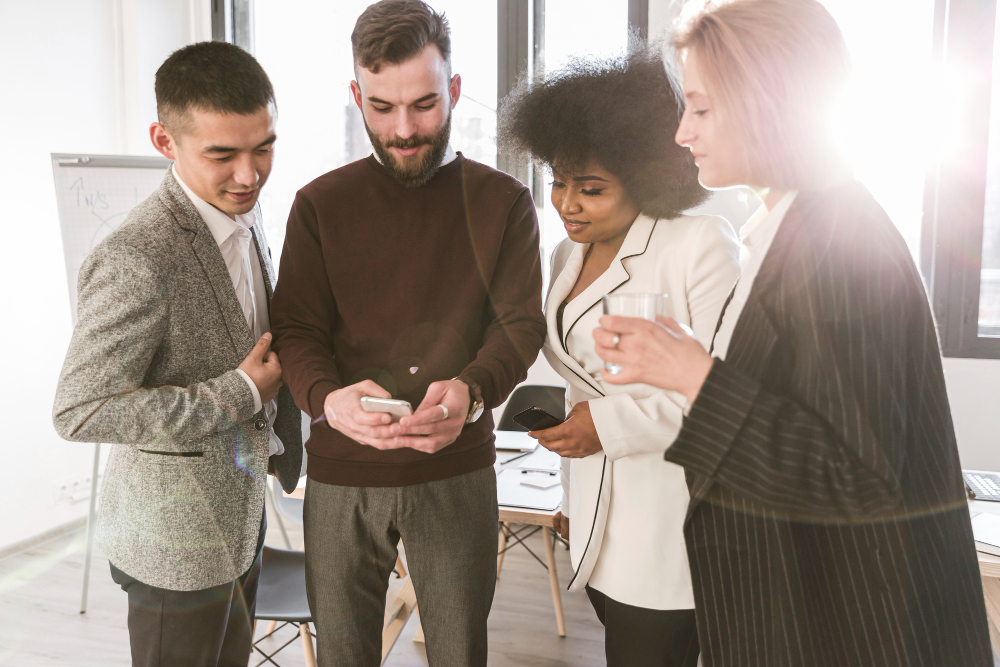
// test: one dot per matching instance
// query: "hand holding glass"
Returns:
(643, 306)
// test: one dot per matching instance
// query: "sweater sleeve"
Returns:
(516, 329)
(303, 313)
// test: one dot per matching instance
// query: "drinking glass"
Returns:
(645, 306)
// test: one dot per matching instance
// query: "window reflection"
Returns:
(989, 286)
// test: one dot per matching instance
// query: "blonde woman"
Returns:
(619, 185)
(828, 523)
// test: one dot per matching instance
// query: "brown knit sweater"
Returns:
(407, 286)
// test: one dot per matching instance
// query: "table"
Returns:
(989, 569)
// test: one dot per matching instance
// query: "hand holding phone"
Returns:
(394, 407)
(536, 419)
(343, 412)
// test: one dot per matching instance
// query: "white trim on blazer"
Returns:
(626, 504)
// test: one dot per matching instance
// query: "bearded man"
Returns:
(412, 274)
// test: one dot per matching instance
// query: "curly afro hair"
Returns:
(621, 113)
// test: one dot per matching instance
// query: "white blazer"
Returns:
(626, 504)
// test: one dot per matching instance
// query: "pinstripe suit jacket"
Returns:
(828, 523)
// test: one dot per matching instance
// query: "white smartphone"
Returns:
(394, 407)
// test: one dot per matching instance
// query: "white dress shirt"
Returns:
(237, 246)
(756, 236)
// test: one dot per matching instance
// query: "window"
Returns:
(989, 282)
(961, 247)
(576, 28)
(886, 113)
(305, 47)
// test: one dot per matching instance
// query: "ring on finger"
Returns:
(445, 408)
(614, 341)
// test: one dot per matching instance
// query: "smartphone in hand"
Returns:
(395, 407)
(536, 419)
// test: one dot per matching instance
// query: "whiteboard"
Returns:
(94, 193)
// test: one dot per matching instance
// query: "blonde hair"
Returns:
(776, 69)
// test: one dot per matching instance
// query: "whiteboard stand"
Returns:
(91, 528)
(94, 193)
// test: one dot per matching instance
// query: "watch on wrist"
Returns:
(475, 399)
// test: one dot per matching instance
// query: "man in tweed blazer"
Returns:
(163, 364)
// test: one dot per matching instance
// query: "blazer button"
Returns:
(260, 424)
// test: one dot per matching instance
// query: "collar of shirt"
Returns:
(220, 224)
(764, 223)
(449, 156)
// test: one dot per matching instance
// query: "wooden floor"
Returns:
(40, 625)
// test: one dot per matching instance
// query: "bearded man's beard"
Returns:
(414, 170)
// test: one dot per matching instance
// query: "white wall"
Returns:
(67, 89)
(974, 393)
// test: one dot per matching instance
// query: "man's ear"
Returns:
(162, 141)
(455, 89)
(356, 94)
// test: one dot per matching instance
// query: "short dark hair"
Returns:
(391, 32)
(214, 76)
(621, 113)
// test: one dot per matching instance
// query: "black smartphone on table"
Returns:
(536, 419)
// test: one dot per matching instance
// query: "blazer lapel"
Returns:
(561, 286)
(212, 263)
(636, 243)
(260, 243)
(755, 336)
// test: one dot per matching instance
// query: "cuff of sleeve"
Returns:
(626, 429)
(257, 403)
(484, 379)
(318, 394)
(715, 419)
(237, 396)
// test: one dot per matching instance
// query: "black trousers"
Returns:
(212, 627)
(639, 637)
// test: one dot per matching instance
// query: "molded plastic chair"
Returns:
(290, 508)
(549, 398)
(281, 597)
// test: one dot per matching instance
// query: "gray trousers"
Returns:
(449, 529)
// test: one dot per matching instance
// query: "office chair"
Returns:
(281, 598)
(549, 398)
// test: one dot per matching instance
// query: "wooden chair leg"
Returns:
(502, 548)
(270, 627)
(307, 645)
(398, 614)
(550, 557)
(418, 636)
(991, 591)
(400, 567)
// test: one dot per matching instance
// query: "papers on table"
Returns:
(518, 441)
(539, 480)
(511, 492)
(986, 531)
(541, 460)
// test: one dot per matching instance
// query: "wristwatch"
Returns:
(475, 399)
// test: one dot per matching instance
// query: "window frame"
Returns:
(955, 191)
(232, 21)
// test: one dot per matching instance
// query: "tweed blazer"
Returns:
(151, 370)
(828, 524)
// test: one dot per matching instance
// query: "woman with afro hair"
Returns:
(620, 185)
